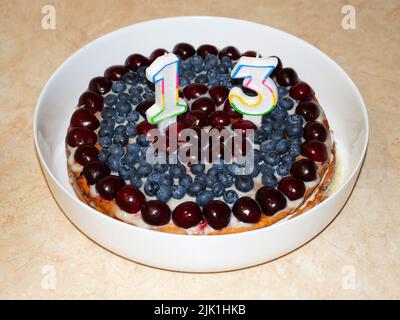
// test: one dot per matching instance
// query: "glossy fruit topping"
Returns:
(156, 213)
(184, 50)
(100, 85)
(229, 51)
(204, 104)
(287, 77)
(249, 53)
(108, 186)
(194, 90)
(315, 130)
(157, 53)
(91, 100)
(194, 118)
(135, 61)
(94, 171)
(278, 66)
(314, 150)
(244, 125)
(270, 200)
(219, 94)
(143, 107)
(130, 199)
(116, 72)
(247, 210)
(85, 154)
(217, 214)
(232, 113)
(84, 118)
(304, 169)
(206, 49)
(301, 91)
(292, 187)
(308, 110)
(187, 215)
(80, 136)
(219, 119)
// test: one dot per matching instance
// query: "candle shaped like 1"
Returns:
(255, 72)
(163, 72)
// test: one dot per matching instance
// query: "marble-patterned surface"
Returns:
(43, 256)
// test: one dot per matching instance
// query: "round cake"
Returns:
(293, 152)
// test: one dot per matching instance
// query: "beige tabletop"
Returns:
(42, 255)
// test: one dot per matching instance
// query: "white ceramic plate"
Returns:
(335, 91)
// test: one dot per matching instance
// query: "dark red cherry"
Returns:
(108, 186)
(204, 104)
(287, 77)
(135, 61)
(91, 100)
(219, 119)
(115, 73)
(143, 107)
(84, 118)
(206, 49)
(156, 213)
(144, 127)
(94, 171)
(232, 113)
(85, 154)
(292, 187)
(244, 125)
(157, 53)
(278, 66)
(217, 214)
(196, 118)
(250, 53)
(80, 136)
(100, 85)
(301, 91)
(315, 130)
(194, 90)
(229, 51)
(130, 199)
(270, 200)
(304, 169)
(247, 210)
(219, 94)
(187, 215)
(314, 150)
(308, 110)
(184, 50)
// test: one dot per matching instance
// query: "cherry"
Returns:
(308, 110)
(278, 66)
(204, 104)
(135, 61)
(194, 90)
(304, 169)
(85, 154)
(229, 51)
(287, 77)
(250, 53)
(94, 171)
(157, 53)
(156, 213)
(184, 50)
(219, 94)
(292, 187)
(91, 100)
(143, 107)
(232, 113)
(301, 91)
(314, 150)
(219, 119)
(130, 199)
(206, 49)
(108, 186)
(217, 214)
(144, 127)
(270, 200)
(116, 72)
(187, 215)
(194, 118)
(84, 118)
(244, 125)
(315, 130)
(80, 136)
(100, 85)
(247, 210)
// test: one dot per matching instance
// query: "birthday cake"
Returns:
(202, 141)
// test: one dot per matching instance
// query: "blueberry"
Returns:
(136, 91)
(119, 118)
(198, 168)
(201, 78)
(178, 192)
(121, 139)
(118, 86)
(287, 160)
(144, 170)
(212, 171)
(125, 172)
(222, 69)
(107, 123)
(136, 181)
(123, 97)
(131, 159)
(123, 107)
(204, 197)
(295, 130)
(105, 141)
(141, 72)
(277, 135)
(131, 130)
(103, 155)
(227, 62)
(117, 150)
(295, 119)
(130, 78)
(177, 170)
(114, 162)
(164, 194)
(154, 176)
(135, 100)
(195, 188)
(230, 196)
(120, 129)
(259, 136)
(267, 145)
(269, 180)
(279, 114)
(267, 127)
(185, 181)
(233, 168)
(149, 96)
(160, 167)
(256, 170)
(257, 156)
(110, 99)
(226, 179)
(228, 84)
(183, 81)
(108, 112)
(151, 188)
(201, 177)
(218, 189)
(283, 169)
(211, 61)
(267, 169)
(286, 103)
(244, 183)
(282, 146)
(196, 60)
(189, 74)
(294, 150)
(271, 158)
(279, 126)
(142, 140)
(211, 180)
(166, 180)
(282, 91)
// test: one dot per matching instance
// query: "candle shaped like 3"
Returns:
(163, 72)
(255, 72)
